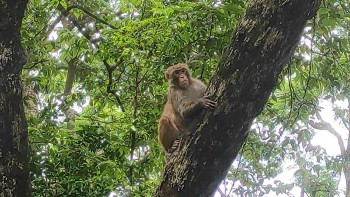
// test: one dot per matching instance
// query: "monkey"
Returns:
(185, 100)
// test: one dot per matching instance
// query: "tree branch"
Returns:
(323, 125)
(91, 15)
(110, 70)
(53, 25)
(35, 63)
(75, 22)
(69, 111)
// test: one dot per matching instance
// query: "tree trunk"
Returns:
(262, 43)
(14, 170)
(346, 168)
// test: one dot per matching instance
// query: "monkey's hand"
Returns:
(175, 144)
(207, 103)
(173, 148)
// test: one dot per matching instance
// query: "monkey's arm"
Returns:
(199, 86)
(188, 107)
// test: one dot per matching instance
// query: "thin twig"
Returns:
(35, 63)
(91, 15)
(110, 70)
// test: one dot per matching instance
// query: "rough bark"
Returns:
(30, 100)
(70, 112)
(262, 43)
(14, 171)
(346, 167)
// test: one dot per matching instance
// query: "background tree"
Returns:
(14, 152)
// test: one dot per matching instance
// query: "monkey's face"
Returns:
(181, 76)
(178, 75)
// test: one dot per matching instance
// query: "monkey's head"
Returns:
(178, 75)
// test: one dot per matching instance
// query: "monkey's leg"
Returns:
(168, 133)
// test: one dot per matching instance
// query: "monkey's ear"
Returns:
(186, 66)
(167, 75)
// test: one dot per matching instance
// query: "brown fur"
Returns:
(185, 100)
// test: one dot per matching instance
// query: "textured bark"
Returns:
(30, 100)
(346, 167)
(262, 43)
(14, 171)
(70, 112)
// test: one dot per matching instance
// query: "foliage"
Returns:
(113, 145)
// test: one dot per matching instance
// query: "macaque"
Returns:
(185, 100)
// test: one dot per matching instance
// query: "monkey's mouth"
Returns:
(184, 82)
